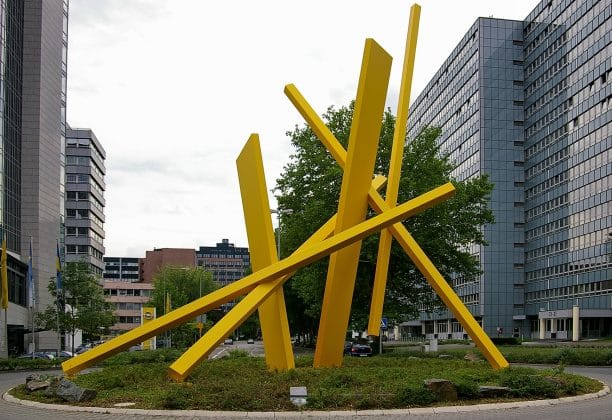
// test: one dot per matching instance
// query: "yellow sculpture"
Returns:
(340, 237)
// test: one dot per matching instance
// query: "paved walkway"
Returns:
(593, 408)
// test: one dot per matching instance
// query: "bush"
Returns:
(510, 341)
(526, 384)
(177, 397)
(237, 354)
(414, 396)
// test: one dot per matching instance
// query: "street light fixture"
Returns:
(278, 213)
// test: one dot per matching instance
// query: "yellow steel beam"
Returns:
(308, 254)
(395, 168)
(181, 368)
(353, 202)
(410, 246)
(256, 208)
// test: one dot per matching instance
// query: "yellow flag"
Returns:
(4, 273)
(168, 304)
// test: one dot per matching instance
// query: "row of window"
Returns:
(128, 306)
(547, 250)
(84, 250)
(558, 43)
(84, 196)
(590, 190)
(554, 91)
(84, 179)
(598, 237)
(548, 118)
(129, 320)
(546, 229)
(547, 75)
(547, 141)
(83, 232)
(595, 288)
(127, 292)
(589, 264)
(534, 44)
(84, 144)
(84, 161)
(591, 214)
(548, 206)
(542, 187)
(547, 163)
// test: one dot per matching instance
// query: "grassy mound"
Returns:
(243, 384)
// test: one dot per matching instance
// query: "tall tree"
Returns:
(310, 186)
(175, 287)
(81, 307)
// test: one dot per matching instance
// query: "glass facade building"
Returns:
(527, 103)
(33, 42)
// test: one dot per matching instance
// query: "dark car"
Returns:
(37, 355)
(361, 350)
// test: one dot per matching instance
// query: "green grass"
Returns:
(583, 356)
(243, 383)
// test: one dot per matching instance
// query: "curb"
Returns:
(305, 414)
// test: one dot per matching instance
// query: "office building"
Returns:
(226, 262)
(129, 298)
(155, 260)
(33, 76)
(84, 233)
(122, 269)
(528, 103)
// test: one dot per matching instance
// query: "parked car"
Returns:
(228, 342)
(37, 355)
(63, 353)
(250, 341)
(361, 350)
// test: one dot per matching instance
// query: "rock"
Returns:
(472, 357)
(442, 389)
(32, 377)
(486, 391)
(71, 392)
(32, 385)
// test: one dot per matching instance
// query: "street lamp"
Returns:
(278, 213)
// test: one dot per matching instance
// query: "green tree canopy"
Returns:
(175, 287)
(310, 186)
(82, 303)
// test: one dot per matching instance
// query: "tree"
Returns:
(175, 287)
(310, 186)
(81, 305)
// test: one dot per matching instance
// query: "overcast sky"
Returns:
(173, 89)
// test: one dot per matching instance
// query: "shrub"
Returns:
(237, 354)
(177, 397)
(511, 341)
(415, 396)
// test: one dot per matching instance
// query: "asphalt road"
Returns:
(595, 409)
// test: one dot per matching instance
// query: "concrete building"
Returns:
(528, 103)
(129, 298)
(33, 76)
(226, 262)
(84, 234)
(161, 257)
(122, 269)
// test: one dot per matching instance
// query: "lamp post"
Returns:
(278, 213)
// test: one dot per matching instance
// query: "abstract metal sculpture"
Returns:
(339, 237)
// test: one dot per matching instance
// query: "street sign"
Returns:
(383, 323)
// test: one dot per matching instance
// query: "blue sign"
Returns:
(383, 323)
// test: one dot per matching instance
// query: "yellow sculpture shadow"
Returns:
(340, 237)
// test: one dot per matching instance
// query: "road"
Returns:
(596, 409)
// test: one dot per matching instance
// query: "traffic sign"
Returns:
(383, 323)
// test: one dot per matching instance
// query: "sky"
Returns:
(173, 89)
